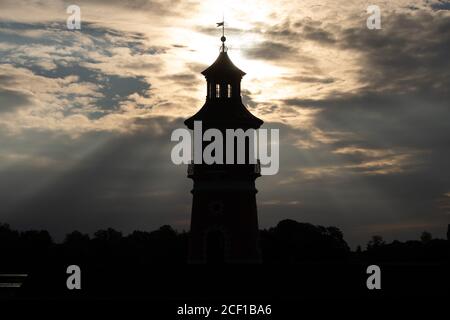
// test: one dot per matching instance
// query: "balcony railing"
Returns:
(191, 169)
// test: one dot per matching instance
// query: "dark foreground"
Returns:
(304, 268)
(288, 289)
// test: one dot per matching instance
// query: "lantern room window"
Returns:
(229, 91)
(217, 90)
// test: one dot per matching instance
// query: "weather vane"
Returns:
(223, 39)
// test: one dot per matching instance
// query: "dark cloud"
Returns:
(306, 29)
(152, 7)
(10, 100)
(185, 79)
(306, 79)
(402, 113)
(405, 98)
(269, 50)
(317, 34)
(441, 5)
(282, 31)
(92, 37)
(409, 54)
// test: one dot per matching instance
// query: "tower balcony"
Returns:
(200, 169)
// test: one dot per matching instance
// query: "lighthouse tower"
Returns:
(224, 221)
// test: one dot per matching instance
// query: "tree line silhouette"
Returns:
(289, 242)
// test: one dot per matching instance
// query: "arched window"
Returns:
(217, 90)
(229, 90)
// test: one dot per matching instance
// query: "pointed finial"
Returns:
(223, 38)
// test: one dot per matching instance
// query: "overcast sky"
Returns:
(86, 116)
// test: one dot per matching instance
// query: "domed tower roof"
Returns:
(223, 67)
(223, 107)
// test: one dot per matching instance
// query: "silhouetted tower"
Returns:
(224, 221)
